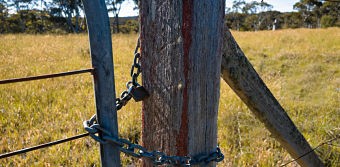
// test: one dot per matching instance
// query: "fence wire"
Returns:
(40, 77)
(25, 150)
(328, 142)
(91, 70)
(46, 76)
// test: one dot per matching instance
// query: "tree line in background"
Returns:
(66, 16)
(55, 16)
(257, 15)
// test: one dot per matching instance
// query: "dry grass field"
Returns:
(300, 67)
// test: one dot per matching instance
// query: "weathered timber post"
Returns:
(181, 48)
(102, 61)
(244, 80)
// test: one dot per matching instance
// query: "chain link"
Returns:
(136, 65)
(138, 151)
(125, 96)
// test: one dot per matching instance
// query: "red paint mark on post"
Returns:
(182, 137)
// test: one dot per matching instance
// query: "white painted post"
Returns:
(102, 61)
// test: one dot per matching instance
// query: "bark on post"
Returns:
(181, 54)
(102, 61)
(243, 79)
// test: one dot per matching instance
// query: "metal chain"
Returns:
(138, 151)
(125, 96)
(136, 65)
(135, 150)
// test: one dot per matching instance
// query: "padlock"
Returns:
(138, 93)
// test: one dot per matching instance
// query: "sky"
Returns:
(279, 5)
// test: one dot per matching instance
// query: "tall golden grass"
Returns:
(300, 67)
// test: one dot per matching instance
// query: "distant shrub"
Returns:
(327, 21)
(130, 26)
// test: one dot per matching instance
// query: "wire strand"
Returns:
(39, 77)
(323, 143)
(49, 144)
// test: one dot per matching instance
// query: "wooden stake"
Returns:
(244, 80)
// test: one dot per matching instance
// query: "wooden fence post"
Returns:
(244, 80)
(181, 44)
(102, 61)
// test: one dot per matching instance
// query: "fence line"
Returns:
(46, 76)
(40, 77)
(56, 142)
(49, 144)
(328, 142)
(91, 70)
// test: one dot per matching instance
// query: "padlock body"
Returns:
(139, 93)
